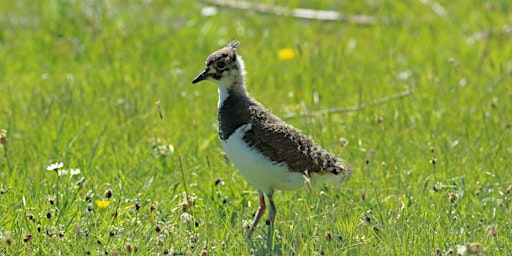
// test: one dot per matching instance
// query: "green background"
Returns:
(105, 87)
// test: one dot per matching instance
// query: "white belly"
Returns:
(258, 169)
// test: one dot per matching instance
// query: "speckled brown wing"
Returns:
(281, 142)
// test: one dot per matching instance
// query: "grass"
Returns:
(85, 82)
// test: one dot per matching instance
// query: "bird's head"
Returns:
(224, 67)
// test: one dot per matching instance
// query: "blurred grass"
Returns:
(80, 81)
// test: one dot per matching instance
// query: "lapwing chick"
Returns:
(270, 154)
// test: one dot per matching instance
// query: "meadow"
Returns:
(107, 148)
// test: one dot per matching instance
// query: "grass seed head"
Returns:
(8, 240)
(494, 103)
(187, 203)
(437, 251)
(328, 236)
(491, 230)
(246, 224)
(130, 248)
(219, 181)
(453, 197)
(343, 142)
(27, 238)
(3, 138)
(3, 191)
(31, 217)
(108, 193)
(226, 158)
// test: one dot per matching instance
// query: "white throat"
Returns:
(233, 80)
(223, 95)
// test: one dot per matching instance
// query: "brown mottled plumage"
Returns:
(277, 140)
(270, 153)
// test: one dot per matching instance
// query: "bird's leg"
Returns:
(259, 213)
(271, 214)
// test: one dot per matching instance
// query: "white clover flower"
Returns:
(186, 217)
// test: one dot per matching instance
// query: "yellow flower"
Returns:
(102, 204)
(286, 54)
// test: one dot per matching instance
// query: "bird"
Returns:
(269, 153)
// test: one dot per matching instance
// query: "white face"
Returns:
(222, 66)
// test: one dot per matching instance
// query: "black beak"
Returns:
(201, 76)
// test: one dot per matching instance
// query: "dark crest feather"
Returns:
(234, 44)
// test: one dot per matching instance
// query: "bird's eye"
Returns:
(221, 64)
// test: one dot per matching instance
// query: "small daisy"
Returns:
(54, 166)
(74, 171)
(62, 172)
(71, 172)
